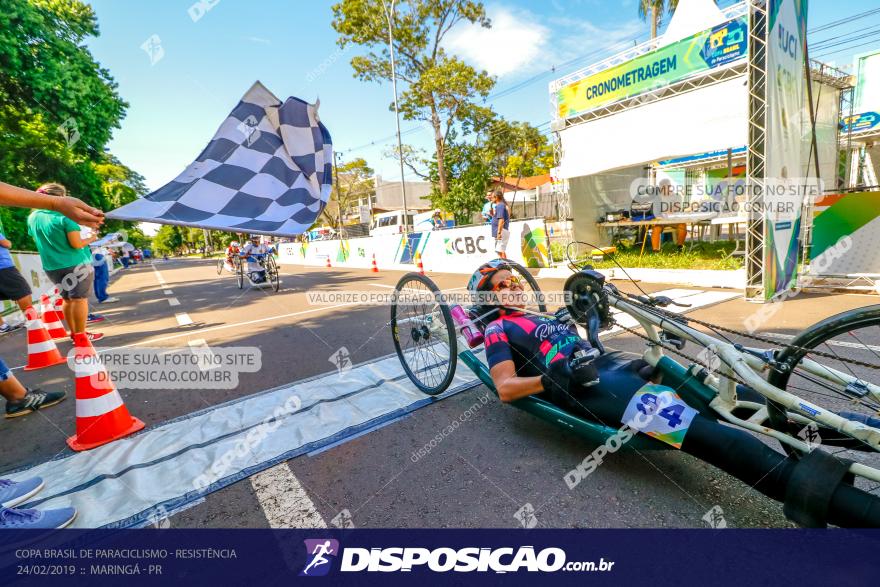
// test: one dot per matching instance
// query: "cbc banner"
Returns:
(456, 250)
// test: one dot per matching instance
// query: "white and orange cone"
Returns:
(419, 265)
(52, 318)
(101, 415)
(42, 352)
(374, 268)
(328, 261)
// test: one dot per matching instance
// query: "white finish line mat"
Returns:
(170, 466)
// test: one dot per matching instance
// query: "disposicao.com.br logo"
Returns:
(441, 560)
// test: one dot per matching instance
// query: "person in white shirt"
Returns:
(252, 251)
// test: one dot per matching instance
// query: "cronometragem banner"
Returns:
(709, 49)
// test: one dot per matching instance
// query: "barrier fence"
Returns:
(456, 250)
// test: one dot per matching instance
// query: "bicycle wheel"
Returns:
(219, 266)
(847, 343)
(239, 270)
(423, 333)
(272, 272)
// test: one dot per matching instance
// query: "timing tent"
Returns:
(267, 170)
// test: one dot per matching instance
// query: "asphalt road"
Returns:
(494, 464)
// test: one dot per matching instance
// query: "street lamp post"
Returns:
(389, 15)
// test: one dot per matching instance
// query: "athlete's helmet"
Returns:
(234, 244)
(255, 237)
(480, 282)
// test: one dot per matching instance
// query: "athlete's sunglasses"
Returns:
(510, 282)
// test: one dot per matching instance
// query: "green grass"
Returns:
(697, 255)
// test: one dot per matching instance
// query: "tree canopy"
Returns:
(58, 109)
(437, 87)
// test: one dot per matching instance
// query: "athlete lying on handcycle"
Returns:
(529, 354)
(253, 252)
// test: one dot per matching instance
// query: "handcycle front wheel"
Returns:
(239, 270)
(847, 343)
(424, 333)
(272, 272)
(219, 266)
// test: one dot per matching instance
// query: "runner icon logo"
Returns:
(319, 554)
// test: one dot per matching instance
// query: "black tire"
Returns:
(836, 335)
(413, 341)
(219, 266)
(272, 272)
(239, 270)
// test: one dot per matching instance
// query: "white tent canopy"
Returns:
(691, 17)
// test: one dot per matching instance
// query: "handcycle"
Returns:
(267, 263)
(810, 395)
(221, 264)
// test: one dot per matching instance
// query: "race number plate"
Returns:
(658, 411)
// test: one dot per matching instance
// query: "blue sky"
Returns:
(178, 102)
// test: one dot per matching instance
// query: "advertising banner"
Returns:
(709, 49)
(866, 101)
(457, 250)
(787, 143)
(846, 223)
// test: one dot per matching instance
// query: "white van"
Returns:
(389, 223)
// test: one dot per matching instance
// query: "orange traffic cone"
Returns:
(52, 318)
(328, 261)
(101, 415)
(374, 268)
(42, 352)
(419, 265)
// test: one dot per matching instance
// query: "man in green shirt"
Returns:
(66, 259)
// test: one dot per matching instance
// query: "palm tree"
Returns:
(655, 9)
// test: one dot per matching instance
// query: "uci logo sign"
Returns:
(466, 245)
(787, 42)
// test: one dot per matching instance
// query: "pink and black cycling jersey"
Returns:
(531, 342)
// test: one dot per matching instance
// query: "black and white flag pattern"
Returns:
(267, 170)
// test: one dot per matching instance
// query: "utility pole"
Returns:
(336, 155)
(389, 15)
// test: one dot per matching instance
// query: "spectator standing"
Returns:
(437, 220)
(500, 224)
(13, 286)
(64, 252)
(101, 261)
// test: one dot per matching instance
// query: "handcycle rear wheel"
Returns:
(272, 272)
(424, 334)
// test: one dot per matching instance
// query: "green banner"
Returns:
(701, 52)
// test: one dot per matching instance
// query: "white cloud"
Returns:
(522, 42)
(514, 42)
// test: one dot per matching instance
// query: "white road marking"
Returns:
(284, 501)
(168, 292)
(183, 319)
(173, 302)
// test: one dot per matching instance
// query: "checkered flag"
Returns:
(267, 171)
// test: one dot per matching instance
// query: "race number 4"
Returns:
(658, 411)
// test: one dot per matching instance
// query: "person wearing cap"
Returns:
(437, 220)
